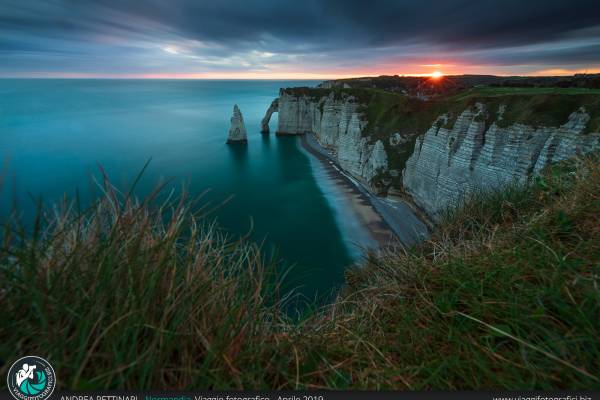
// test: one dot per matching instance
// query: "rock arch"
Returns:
(274, 107)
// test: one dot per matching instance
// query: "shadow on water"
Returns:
(266, 143)
(238, 154)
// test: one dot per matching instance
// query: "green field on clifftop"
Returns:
(501, 91)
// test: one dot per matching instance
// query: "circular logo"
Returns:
(31, 378)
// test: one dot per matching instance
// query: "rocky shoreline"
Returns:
(388, 222)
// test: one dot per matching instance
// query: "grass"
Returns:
(504, 295)
(534, 106)
(507, 91)
(125, 294)
(387, 112)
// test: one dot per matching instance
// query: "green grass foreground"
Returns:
(505, 295)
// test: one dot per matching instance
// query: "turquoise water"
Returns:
(55, 133)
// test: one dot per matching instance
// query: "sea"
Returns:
(56, 134)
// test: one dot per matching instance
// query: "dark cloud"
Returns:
(198, 36)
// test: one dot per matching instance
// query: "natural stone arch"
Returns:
(274, 107)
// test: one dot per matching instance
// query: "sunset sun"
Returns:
(436, 74)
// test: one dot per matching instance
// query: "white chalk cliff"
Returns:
(337, 125)
(448, 164)
(237, 132)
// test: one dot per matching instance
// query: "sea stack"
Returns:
(237, 132)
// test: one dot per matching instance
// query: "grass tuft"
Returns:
(126, 295)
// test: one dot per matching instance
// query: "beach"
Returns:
(388, 222)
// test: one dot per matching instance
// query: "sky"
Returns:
(296, 39)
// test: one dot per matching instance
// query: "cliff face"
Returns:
(296, 114)
(452, 160)
(450, 164)
(338, 125)
(354, 153)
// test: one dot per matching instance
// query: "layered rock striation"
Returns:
(338, 125)
(451, 161)
(237, 132)
(449, 165)
(355, 154)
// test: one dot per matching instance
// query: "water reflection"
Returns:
(238, 153)
(266, 142)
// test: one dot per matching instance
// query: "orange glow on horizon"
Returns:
(286, 75)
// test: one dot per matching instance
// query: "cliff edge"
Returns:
(441, 150)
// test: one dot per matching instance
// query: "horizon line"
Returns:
(276, 76)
